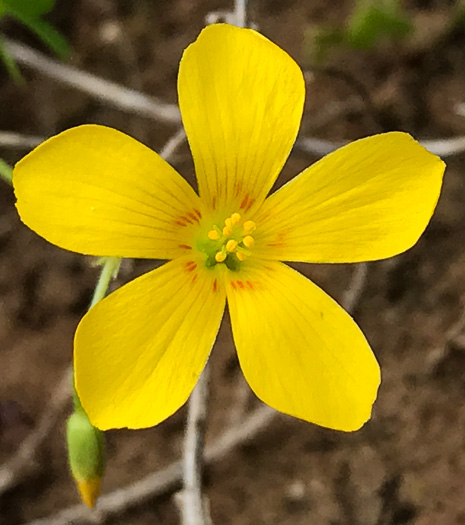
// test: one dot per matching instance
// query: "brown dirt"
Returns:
(407, 465)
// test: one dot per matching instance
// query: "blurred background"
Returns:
(370, 67)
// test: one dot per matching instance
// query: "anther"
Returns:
(241, 256)
(231, 245)
(249, 226)
(235, 219)
(228, 222)
(248, 241)
(213, 235)
(220, 257)
(227, 231)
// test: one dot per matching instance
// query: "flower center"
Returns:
(230, 244)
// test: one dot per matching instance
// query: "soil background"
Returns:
(407, 465)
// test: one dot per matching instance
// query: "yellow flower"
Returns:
(139, 352)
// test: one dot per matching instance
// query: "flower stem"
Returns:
(85, 443)
(109, 271)
(110, 267)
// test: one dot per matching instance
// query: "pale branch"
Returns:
(219, 17)
(109, 92)
(113, 31)
(236, 16)
(318, 147)
(17, 141)
(137, 102)
(240, 10)
(443, 147)
(169, 479)
(11, 140)
(352, 294)
(193, 509)
(170, 148)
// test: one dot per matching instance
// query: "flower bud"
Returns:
(86, 456)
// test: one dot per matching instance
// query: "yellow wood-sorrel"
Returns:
(139, 352)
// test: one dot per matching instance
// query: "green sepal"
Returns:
(86, 448)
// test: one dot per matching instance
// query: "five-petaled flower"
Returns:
(139, 352)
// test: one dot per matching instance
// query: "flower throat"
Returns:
(230, 244)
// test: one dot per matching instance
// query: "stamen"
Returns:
(235, 219)
(233, 239)
(213, 235)
(249, 226)
(220, 256)
(248, 241)
(231, 245)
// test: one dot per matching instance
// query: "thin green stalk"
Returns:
(6, 173)
(109, 271)
(86, 443)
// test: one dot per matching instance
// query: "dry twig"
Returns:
(11, 140)
(194, 511)
(352, 294)
(134, 101)
(111, 93)
(319, 147)
(442, 147)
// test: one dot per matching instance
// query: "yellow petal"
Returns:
(241, 100)
(299, 350)
(138, 353)
(94, 190)
(368, 200)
